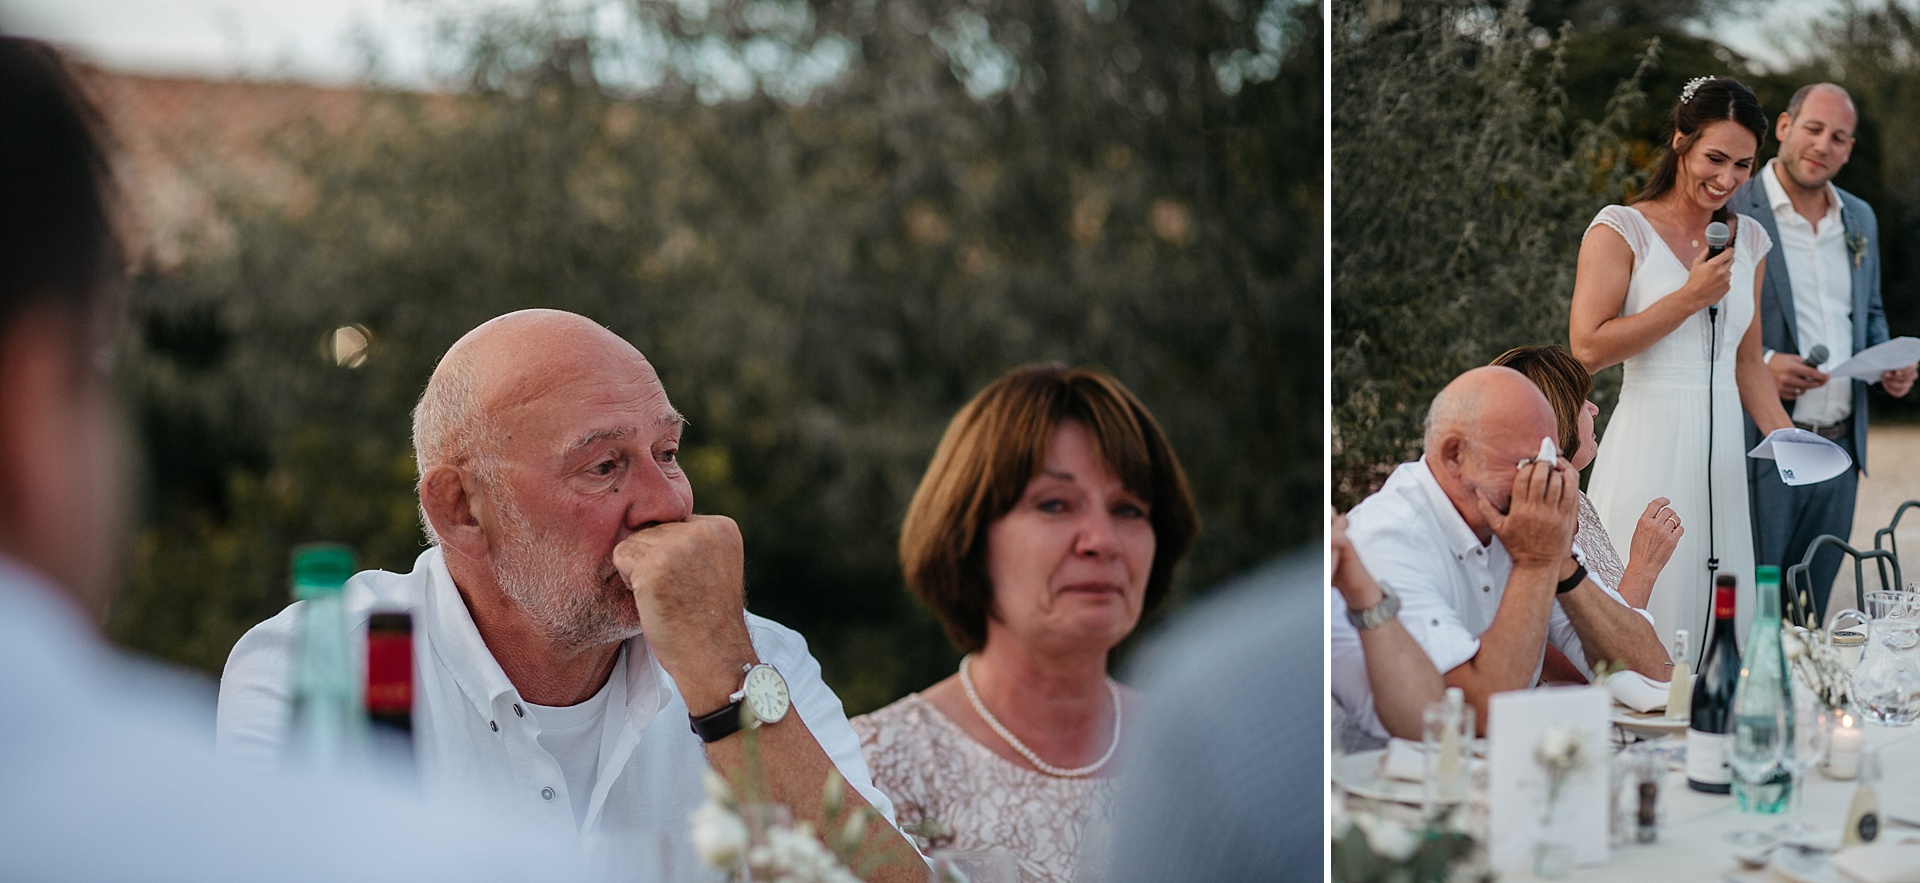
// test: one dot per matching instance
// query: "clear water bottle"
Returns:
(329, 727)
(1762, 702)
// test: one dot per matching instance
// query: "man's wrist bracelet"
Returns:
(1572, 581)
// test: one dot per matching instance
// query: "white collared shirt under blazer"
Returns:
(1822, 274)
(476, 738)
(1415, 543)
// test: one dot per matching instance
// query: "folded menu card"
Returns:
(1518, 723)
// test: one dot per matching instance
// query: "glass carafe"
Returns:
(1886, 683)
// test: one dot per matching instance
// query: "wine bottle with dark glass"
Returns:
(389, 689)
(1710, 729)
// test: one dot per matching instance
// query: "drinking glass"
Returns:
(1759, 744)
(1447, 739)
(1811, 728)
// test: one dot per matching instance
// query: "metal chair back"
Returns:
(1796, 603)
(1884, 538)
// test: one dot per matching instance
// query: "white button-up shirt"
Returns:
(474, 736)
(1415, 543)
(1822, 275)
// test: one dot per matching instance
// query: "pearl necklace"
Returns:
(966, 681)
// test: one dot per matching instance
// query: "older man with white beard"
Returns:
(581, 645)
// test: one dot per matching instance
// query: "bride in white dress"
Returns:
(1647, 294)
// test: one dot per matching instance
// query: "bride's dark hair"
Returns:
(1719, 98)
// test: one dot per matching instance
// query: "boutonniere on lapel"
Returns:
(1857, 246)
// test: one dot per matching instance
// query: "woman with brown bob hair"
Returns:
(1048, 523)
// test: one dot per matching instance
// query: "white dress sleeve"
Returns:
(1629, 225)
(1753, 236)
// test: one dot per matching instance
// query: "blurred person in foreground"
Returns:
(1821, 289)
(1473, 548)
(107, 772)
(1375, 659)
(582, 648)
(1049, 521)
(1223, 776)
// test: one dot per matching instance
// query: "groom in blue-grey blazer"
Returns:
(1822, 290)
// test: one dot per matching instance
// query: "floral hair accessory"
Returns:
(1693, 85)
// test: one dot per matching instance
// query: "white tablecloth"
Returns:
(1692, 844)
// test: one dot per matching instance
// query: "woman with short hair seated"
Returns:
(1048, 523)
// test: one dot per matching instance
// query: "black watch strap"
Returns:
(1568, 584)
(718, 725)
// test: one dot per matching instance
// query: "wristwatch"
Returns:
(761, 699)
(1379, 614)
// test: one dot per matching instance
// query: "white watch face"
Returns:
(766, 694)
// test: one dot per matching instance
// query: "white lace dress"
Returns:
(1602, 557)
(934, 770)
(1657, 440)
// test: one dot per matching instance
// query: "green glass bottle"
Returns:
(329, 727)
(1763, 702)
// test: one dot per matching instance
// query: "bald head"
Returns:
(1833, 91)
(505, 364)
(1491, 404)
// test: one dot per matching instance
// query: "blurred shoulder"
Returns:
(1271, 612)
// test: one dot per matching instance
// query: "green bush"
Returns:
(821, 275)
(1460, 193)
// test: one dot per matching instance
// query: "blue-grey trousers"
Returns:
(1786, 520)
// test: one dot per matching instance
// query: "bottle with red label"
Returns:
(389, 685)
(1710, 728)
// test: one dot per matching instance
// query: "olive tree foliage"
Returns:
(1460, 194)
(827, 224)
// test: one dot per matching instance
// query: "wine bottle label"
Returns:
(389, 673)
(1707, 757)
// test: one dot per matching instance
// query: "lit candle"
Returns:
(1843, 752)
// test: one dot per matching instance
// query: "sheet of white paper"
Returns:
(1801, 456)
(1517, 786)
(1868, 363)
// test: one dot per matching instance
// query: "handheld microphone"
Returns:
(1717, 238)
(1816, 355)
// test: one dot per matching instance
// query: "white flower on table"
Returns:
(1562, 752)
(1388, 839)
(1817, 665)
(718, 835)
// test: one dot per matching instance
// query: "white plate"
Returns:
(1653, 722)
(1805, 867)
(1358, 774)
